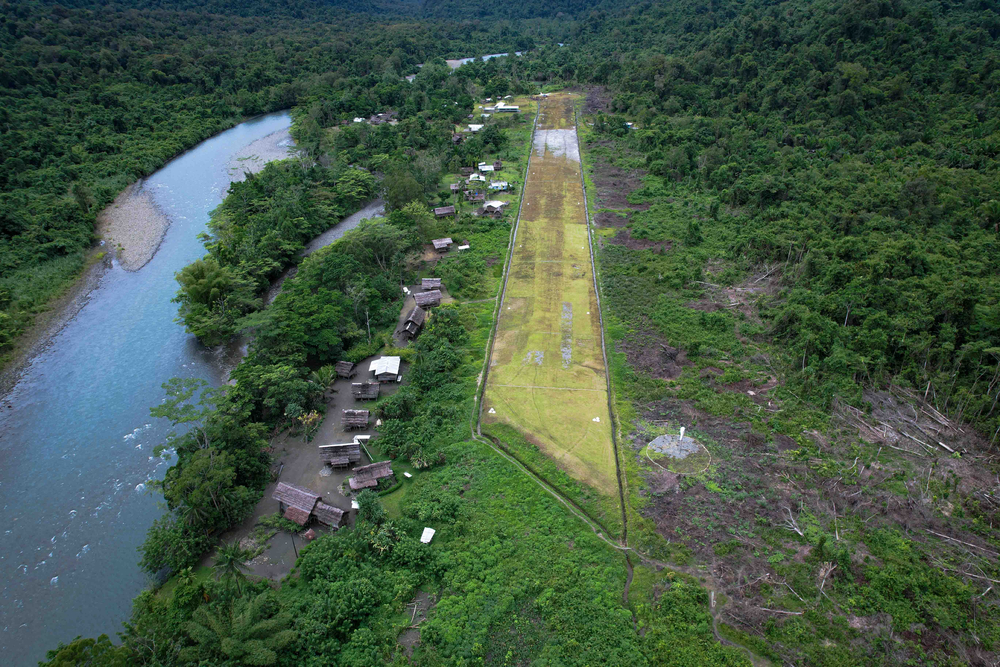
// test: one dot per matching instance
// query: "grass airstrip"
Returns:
(547, 377)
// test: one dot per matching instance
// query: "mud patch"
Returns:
(566, 334)
(647, 352)
(612, 219)
(624, 237)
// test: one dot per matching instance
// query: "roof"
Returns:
(355, 418)
(474, 128)
(429, 298)
(349, 450)
(298, 515)
(442, 244)
(430, 283)
(455, 187)
(344, 368)
(444, 210)
(295, 496)
(417, 316)
(367, 390)
(328, 514)
(498, 185)
(495, 203)
(368, 476)
(384, 365)
(427, 535)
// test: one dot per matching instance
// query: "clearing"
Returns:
(547, 377)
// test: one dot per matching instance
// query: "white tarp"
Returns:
(385, 365)
(427, 536)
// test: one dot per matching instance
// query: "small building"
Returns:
(494, 208)
(499, 186)
(457, 139)
(359, 120)
(474, 128)
(486, 167)
(428, 299)
(444, 211)
(466, 171)
(340, 455)
(473, 196)
(367, 477)
(346, 369)
(441, 245)
(476, 178)
(353, 419)
(414, 322)
(508, 108)
(328, 515)
(456, 188)
(497, 165)
(386, 369)
(365, 391)
(430, 283)
(294, 502)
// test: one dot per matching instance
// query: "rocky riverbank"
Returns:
(251, 159)
(133, 226)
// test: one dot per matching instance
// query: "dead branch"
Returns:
(968, 544)
(778, 611)
(791, 524)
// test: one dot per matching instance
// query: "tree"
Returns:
(231, 563)
(246, 631)
(401, 188)
(98, 652)
(324, 377)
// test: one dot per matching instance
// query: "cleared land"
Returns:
(547, 376)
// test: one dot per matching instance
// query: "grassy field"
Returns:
(547, 376)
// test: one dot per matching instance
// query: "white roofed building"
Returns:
(386, 369)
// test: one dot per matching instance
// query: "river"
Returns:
(76, 437)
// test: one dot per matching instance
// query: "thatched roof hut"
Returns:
(345, 369)
(430, 283)
(299, 502)
(365, 391)
(414, 321)
(441, 245)
(367, 477)
(473, 196)
(354, 419)
(340, 455)
(444, 211)
(328, 514)
(428, 299)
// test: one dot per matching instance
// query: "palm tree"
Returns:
(231, 563)
(324, 376)
(991, 211)
(247, 631)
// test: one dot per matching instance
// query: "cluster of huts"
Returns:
(471, 187)
(427, 297)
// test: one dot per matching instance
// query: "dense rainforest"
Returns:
(798, 209)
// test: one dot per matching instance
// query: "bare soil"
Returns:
(613, 183)
(624, 237)
(598, 100)
(648, 352)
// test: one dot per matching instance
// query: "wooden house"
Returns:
(444, 211)
(367, 477)
(328, 514)
(466, 171)
(441, 245)
(456, 188)
(497, 165)
(499, 186)
(365, 391)
(414, 322)
(353, 419)
(457, 139)
(474, 196)
(340, 455)
(294, 502)
(494, 208)
(386, 369)
(346, 369)
(427, 284)
(428, 299)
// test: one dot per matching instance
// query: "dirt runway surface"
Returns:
(547, 375)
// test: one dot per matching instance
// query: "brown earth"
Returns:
(624, 237)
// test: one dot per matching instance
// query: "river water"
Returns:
(76, 437)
